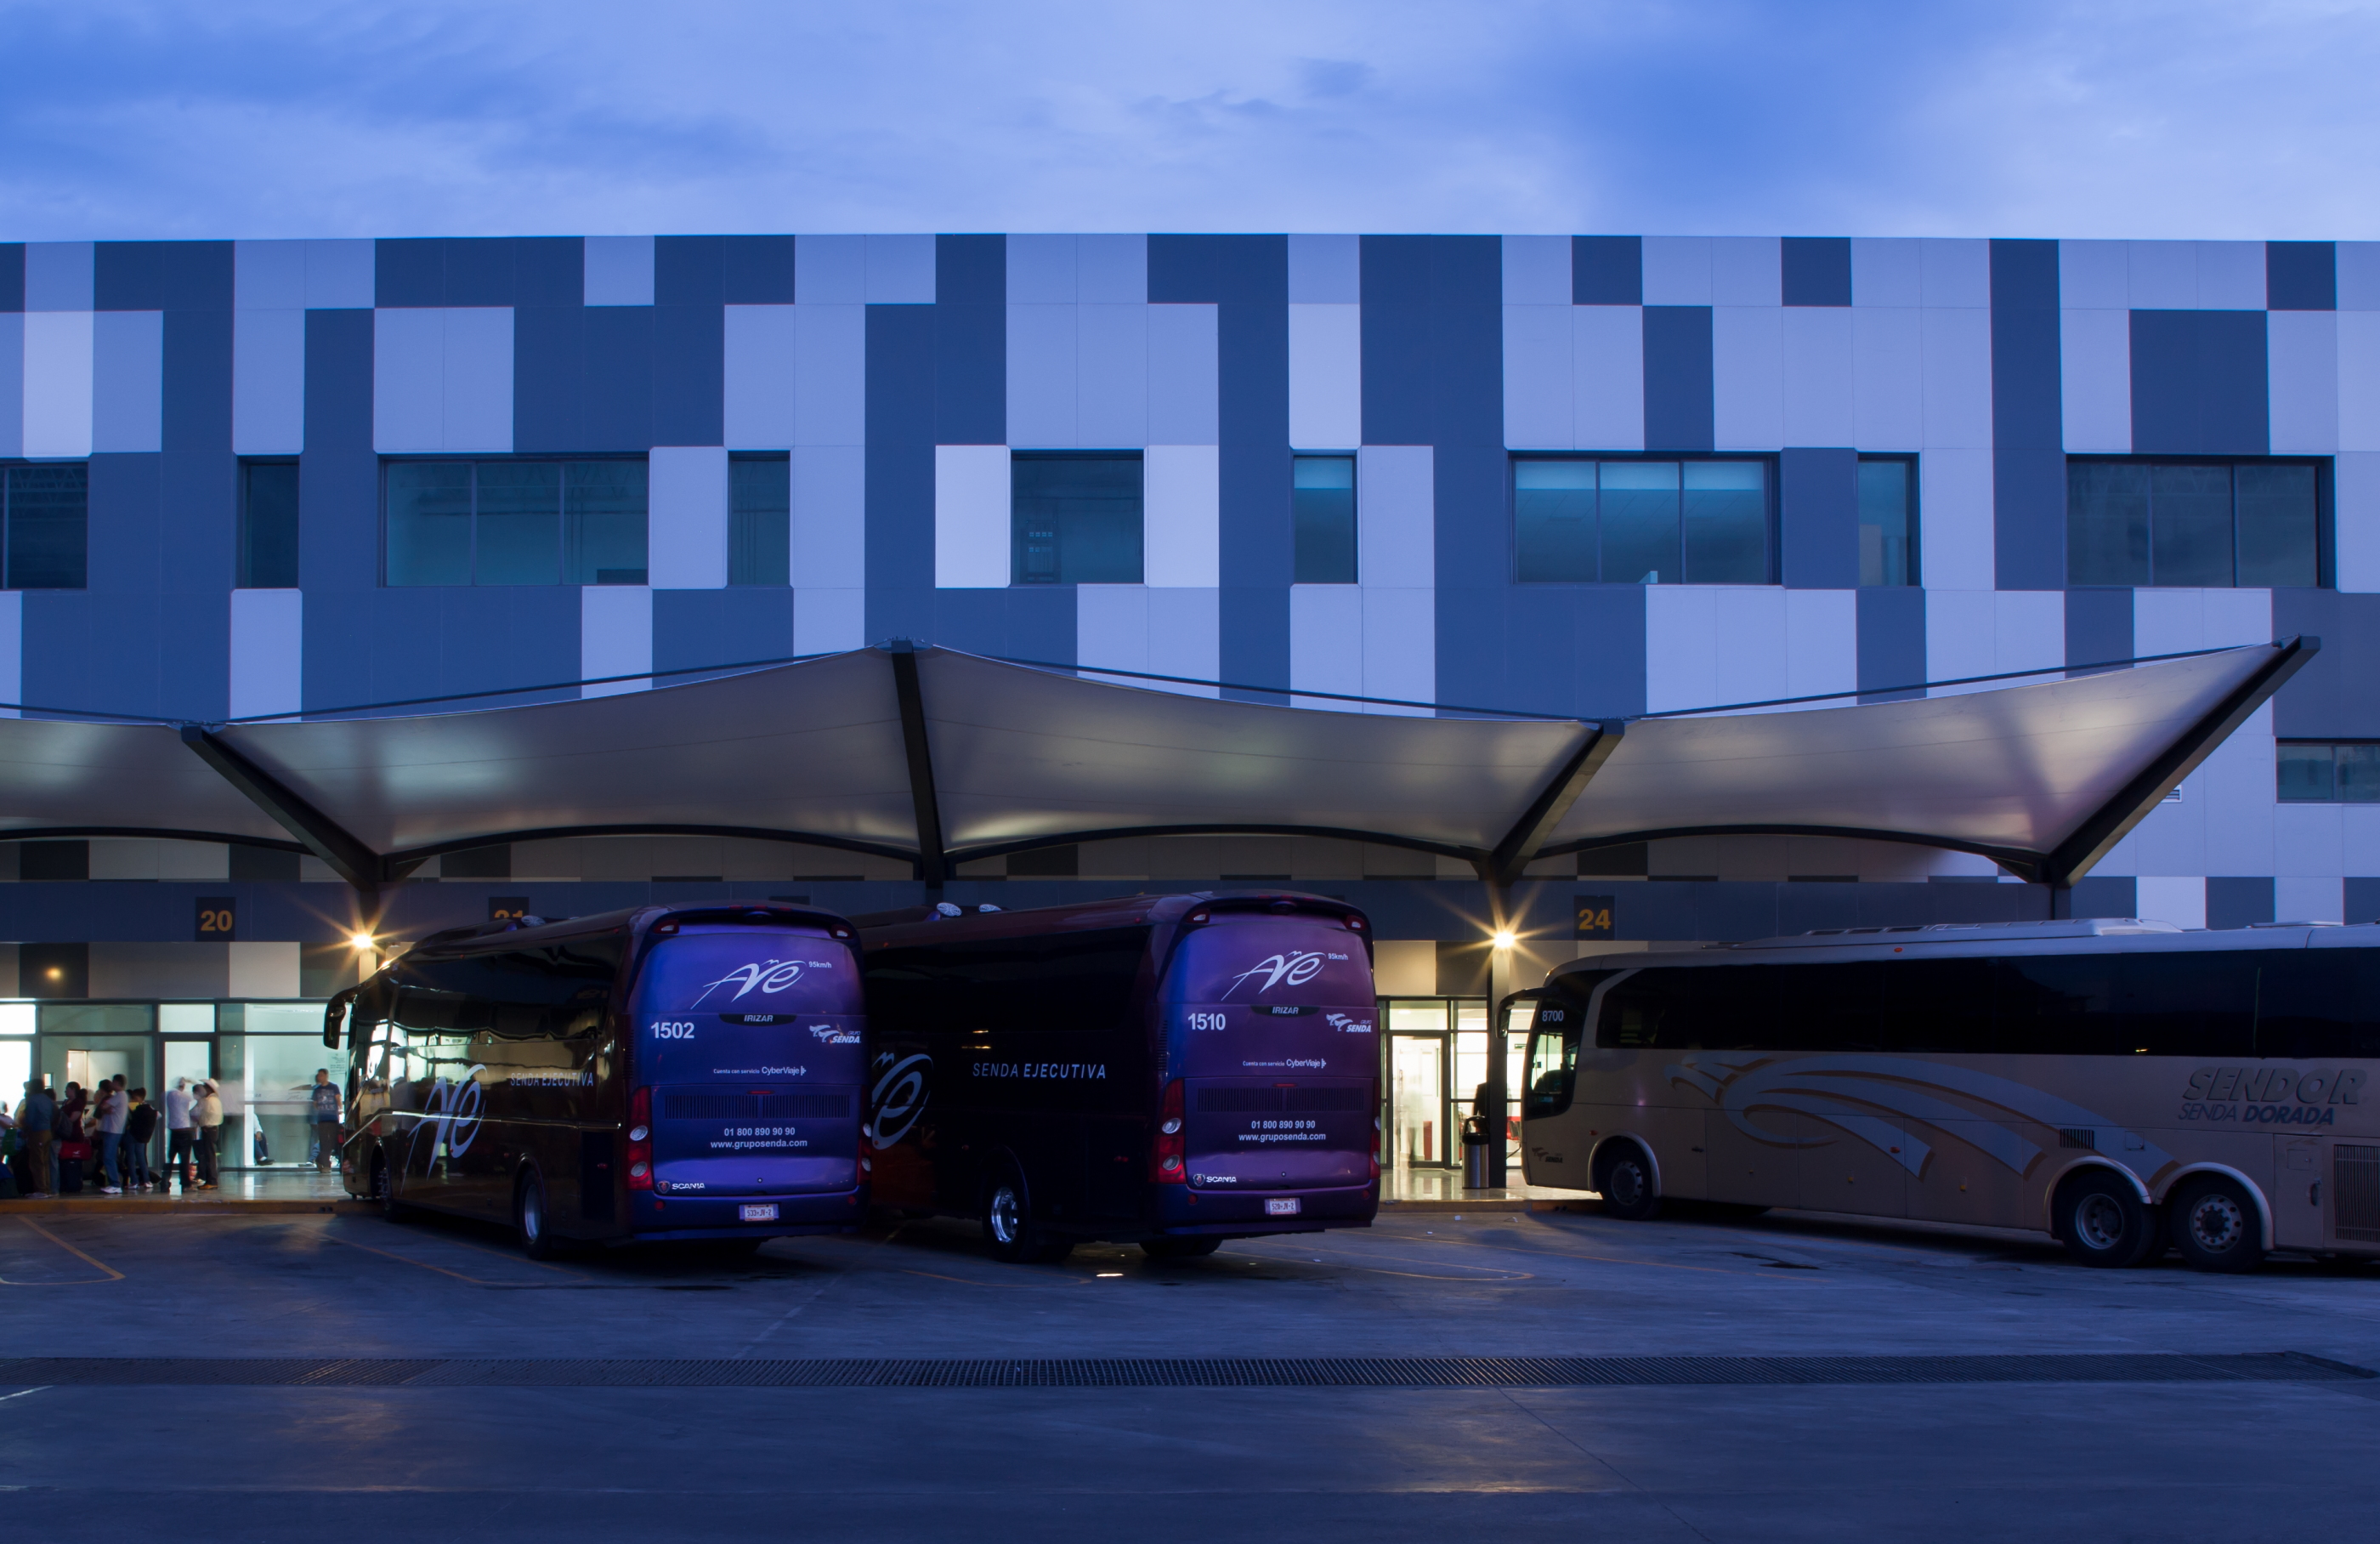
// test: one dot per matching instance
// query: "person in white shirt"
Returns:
(114, 1107)
(181, 1135)
(208, 1114)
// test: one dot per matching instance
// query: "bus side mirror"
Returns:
(334, 1015)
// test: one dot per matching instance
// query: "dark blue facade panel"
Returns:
(2301, 275)
(438, 642)
(410, 272)
(2028, 418)
(2098, 625)
(196, 381)
(339, 512)
(970, 343)
(1891, 641)
(2199, 382)
(549, 380)
(480, 271)
(1028, 622)
(757, 269)
(689, 271)
(12, 276)
(1246, 279)
(1737, 910)
(2105, 895)
(689, 375)
(2362, 895)
(1816, 270)
(901, 346)
(619, 386)
(2332, 697)
(1677, 398)
(160, 275)
(2239, 900)
(699, 627)
(1433, 341)
(1607, 270)
(1574, 649)
(1818, 518)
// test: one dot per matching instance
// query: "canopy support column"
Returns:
(933, 864)
(348, 857)
(1553, 802)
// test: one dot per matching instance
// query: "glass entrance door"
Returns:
(1418, 1099)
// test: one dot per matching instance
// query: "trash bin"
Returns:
(1475, 1153)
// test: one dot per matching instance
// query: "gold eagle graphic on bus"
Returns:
(1860, 1096)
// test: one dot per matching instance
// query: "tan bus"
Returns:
(2122, 1085)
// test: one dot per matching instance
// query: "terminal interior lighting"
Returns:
(1505, 938)
(361, 941)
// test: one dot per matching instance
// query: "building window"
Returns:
(1888, 520)
(1322, 511)
(1641, 522)
(760, 519)
(45, 507)
(2328, 771)
(1075, 519)
(515, 522)
(2195, 524)
(268, 525)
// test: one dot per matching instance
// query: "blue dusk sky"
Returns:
(2181, 118)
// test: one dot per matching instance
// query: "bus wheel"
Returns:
(1178, 1248)
(1008, 1227)
(1624, 1178)
(383, 1187)
(2103, 1222)
(2215, 1223)
(529, 1219)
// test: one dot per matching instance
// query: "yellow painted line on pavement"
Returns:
(112, 1273)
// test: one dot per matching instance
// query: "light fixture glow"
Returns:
(1505, 938)
(360, 941)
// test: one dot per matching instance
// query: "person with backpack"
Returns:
(139, 1130)
(38, 1126)
(115, 1111)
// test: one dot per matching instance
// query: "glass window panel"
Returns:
(2190, 523)
(2278, 526)
(760, 520)
(2358, 771)
(268, 526)
(429, 522)
(1726, 517)
(603, 522)
(1076, 519)
(1639, 509)
(2304, 774)
(1884, 526)
(2106, 523)
(1553, 522)
(1322, 512)
(520, 523)
(48, 509)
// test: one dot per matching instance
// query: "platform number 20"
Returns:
(218, 919)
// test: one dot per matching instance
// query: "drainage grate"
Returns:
(1254, 1372)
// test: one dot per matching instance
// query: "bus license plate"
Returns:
(1287, 1208)
(758, 1213)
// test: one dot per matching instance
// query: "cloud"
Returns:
(2184, 119)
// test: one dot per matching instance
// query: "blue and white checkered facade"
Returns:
(899, 372)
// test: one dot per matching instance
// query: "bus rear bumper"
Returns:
(681, 1216)
(1187, 1212)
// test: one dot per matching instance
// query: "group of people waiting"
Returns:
(105, 1132)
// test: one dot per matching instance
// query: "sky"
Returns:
(2249, 118)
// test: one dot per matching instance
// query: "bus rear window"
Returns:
(749, 970)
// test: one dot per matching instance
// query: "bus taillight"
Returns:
(1166, 1166)
(640, 1139)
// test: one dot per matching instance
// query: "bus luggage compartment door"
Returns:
(724, 1140)
(1245, 1133)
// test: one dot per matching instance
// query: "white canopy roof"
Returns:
(937, 757)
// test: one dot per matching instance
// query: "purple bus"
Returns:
(1171, 1070)
(688, 1074)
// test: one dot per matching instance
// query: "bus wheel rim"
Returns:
(2100, 1222)
(2215, 1223)
(532, 1215)
(1004, 1214)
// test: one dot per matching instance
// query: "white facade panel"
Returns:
(2163, 275)
(12, 651)
(1112, 627)
(1325, 375)
(1326, 271)
(830, 270)
(1677, 271)
(2175, 621)
(2094, 275)
(59, 276)
(268, 378)
(2095, 378)
(1821, 641)
(1747, 378)
(1956, 546)
(1681, 647)
(830, 376)
(1816, 351)
(1396, 518)
(971, 517)
(2309, 900)
(2357, 268)
(1538, 406)
(1608, 357)
(1958, 347)
(127, 382)
(2309, 841)
(1955, 272)
(2358, 380)
(12, 383)
(615, 637)
(341, 274)
(1182, 521)
(1043, 345)
(1184, 376)
(1040, 271)
(2232, 275)
(618, 271)
(477, 406)
(1113, 376)
(1887, 271)
(1326, 641)
(2356, 503)
(1185, 637)
(268, 275)
(830, 621)
(900, 270)
(2181, 900)
(756, 395)
(688, 519)
(1400, 646)
(830, 532)
(57, 381)
(1537, 270)
(1747, 270)
(1112, 270)
(2302, 369)
(268, 651)
(1888, 377)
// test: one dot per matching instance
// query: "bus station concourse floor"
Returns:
(1548, 1374)
(286, 1188)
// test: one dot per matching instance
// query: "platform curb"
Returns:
(151, 1206)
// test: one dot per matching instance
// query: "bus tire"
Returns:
(1009, 1228)
(2216, 1224)
(532, 1221)
(1178, 1248)
(1623, 1177)
(2102, 1221)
